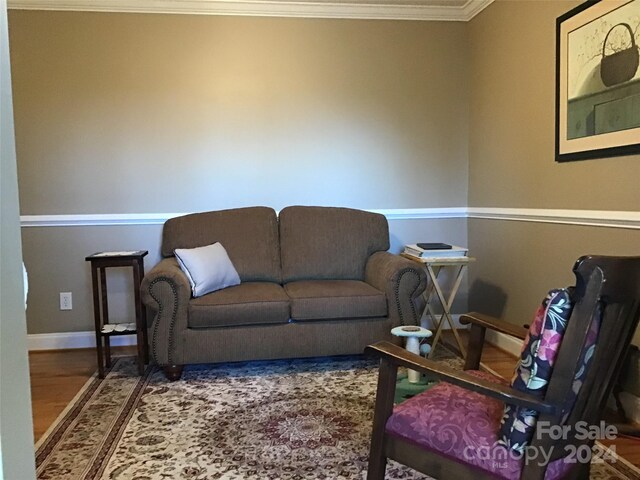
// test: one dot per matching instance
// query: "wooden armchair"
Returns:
(607, 293)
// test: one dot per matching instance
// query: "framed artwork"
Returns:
(598, 80)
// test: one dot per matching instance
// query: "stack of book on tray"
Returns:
(435, 250)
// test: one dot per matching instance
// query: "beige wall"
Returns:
(177, 113)
(511, 165)
(55, 259)
(144, 113)
(55, 256)
(512, 275)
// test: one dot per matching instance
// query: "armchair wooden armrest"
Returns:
(394, 356)
(479, 324)
(487, 321)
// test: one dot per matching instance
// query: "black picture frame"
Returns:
(593, 119)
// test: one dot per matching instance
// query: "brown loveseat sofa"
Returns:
(315, 281)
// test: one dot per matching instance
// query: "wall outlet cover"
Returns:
(66, 301)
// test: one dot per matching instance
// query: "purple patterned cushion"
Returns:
(539, 351)
(463, 426)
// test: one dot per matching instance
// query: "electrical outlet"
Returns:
(65, 301)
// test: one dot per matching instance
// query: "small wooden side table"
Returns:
(99, 263)
(433, 266)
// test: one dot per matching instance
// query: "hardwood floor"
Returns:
(57, 376)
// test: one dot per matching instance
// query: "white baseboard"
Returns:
(427, 323)
(631, 405)
(67, 340)
(505, 342)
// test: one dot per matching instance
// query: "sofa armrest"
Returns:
(166, 292)
(402, 281)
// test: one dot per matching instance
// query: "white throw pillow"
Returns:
(208, 268)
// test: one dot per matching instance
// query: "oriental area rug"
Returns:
(289, 419)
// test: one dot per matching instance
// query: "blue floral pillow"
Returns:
(539, 351)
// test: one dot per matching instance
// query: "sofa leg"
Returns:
(173, 372)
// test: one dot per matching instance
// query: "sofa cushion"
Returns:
(250, 303)
(333, 299)
(250, 236)
(326, 243)
(207, 268)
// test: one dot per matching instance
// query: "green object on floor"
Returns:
(405, 390)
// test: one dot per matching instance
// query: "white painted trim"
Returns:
(267, 8)
(505, 342)
(592, 218)
(422, 213)
(66, 340)
(426, 322)
(631, 405)
(159, 218)
(473, 8)
(69, 340)
(86, 220)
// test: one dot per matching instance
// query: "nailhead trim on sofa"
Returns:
(172, 323)
(397, 293)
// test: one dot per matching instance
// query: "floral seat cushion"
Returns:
(463, 426)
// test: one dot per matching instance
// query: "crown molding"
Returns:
(268, 8)
(473, 8)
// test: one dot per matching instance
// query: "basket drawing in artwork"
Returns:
(620, 66)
